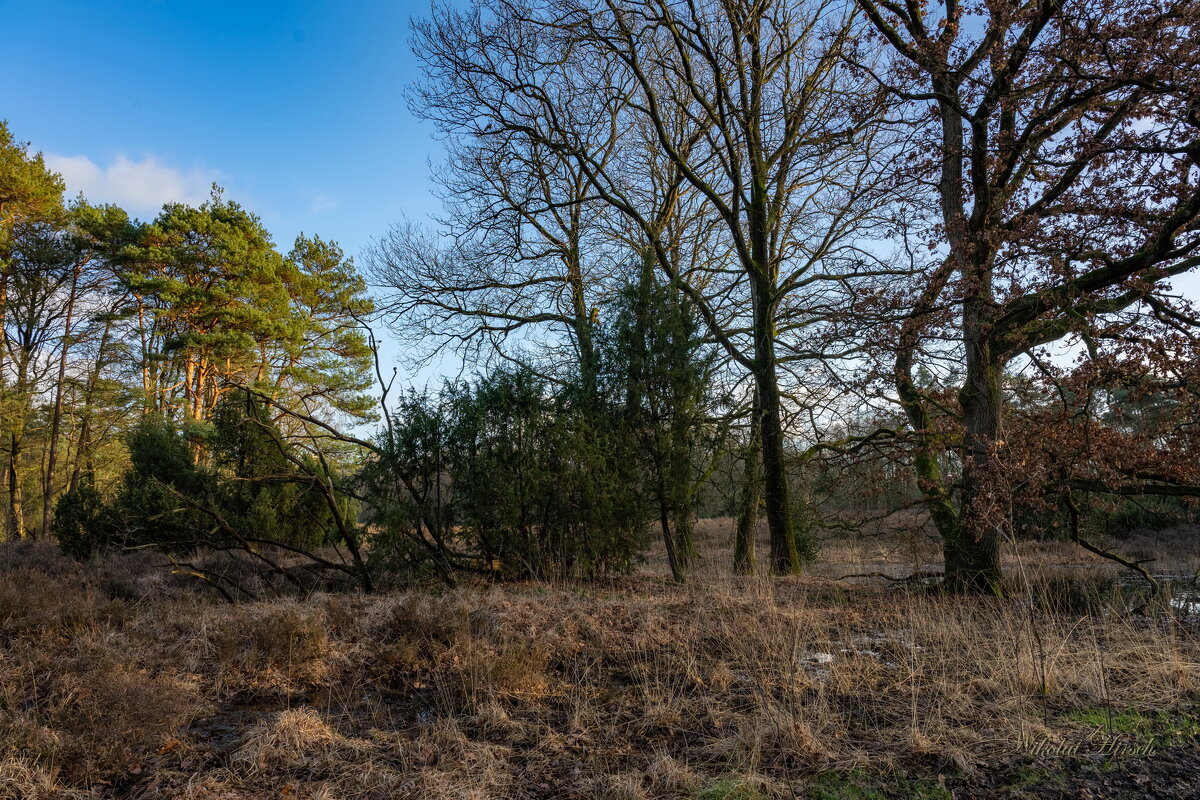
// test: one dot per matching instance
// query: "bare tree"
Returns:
(744, 115)
(522, 256)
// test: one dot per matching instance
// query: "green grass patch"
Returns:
(731, 788)
(1159, 724)
(1028, 776)
(861, 785)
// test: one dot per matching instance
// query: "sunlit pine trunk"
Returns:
(201, 369)
(16, 510)
(16, 445)
(149, 395)
(3, 362)
(189, 377)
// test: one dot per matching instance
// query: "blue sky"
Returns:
(296, 108)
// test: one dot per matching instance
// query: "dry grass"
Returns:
(630, 689)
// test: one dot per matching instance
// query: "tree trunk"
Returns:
(785, 558)
(56, 418)
(16, 442)
(972, 563)
(9, 526)
(972, 548)
(747, 522)
(970, 541)
(582, 324)
(16, 499)
(83, 447)
(685, 539)
(664, 519)
(150, 399)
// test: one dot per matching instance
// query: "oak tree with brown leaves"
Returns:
(1060, 145)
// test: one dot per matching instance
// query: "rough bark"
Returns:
(747, 522)
(785, 557)
(972, 547)
(3, 383)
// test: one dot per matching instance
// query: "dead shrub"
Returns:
(22, 781)
(420, 617)
(474, 672)
(282, 636)
(296, 740)
(344, 615)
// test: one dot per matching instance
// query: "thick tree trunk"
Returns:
(682, 489)
(685, 540)
(588, 369)
(970, 540)
(972, 548)
(970, 534)
(971, 564)
(747, 522)
(785, 558)
(581, 315)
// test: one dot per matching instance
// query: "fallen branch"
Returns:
(1135, 565)
(914, 577)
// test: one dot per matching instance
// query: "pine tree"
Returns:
(659, 364)
(30, 198)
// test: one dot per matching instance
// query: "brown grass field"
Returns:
(118, 680)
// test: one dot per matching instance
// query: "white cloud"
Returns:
(320, 202)
(140, 187)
